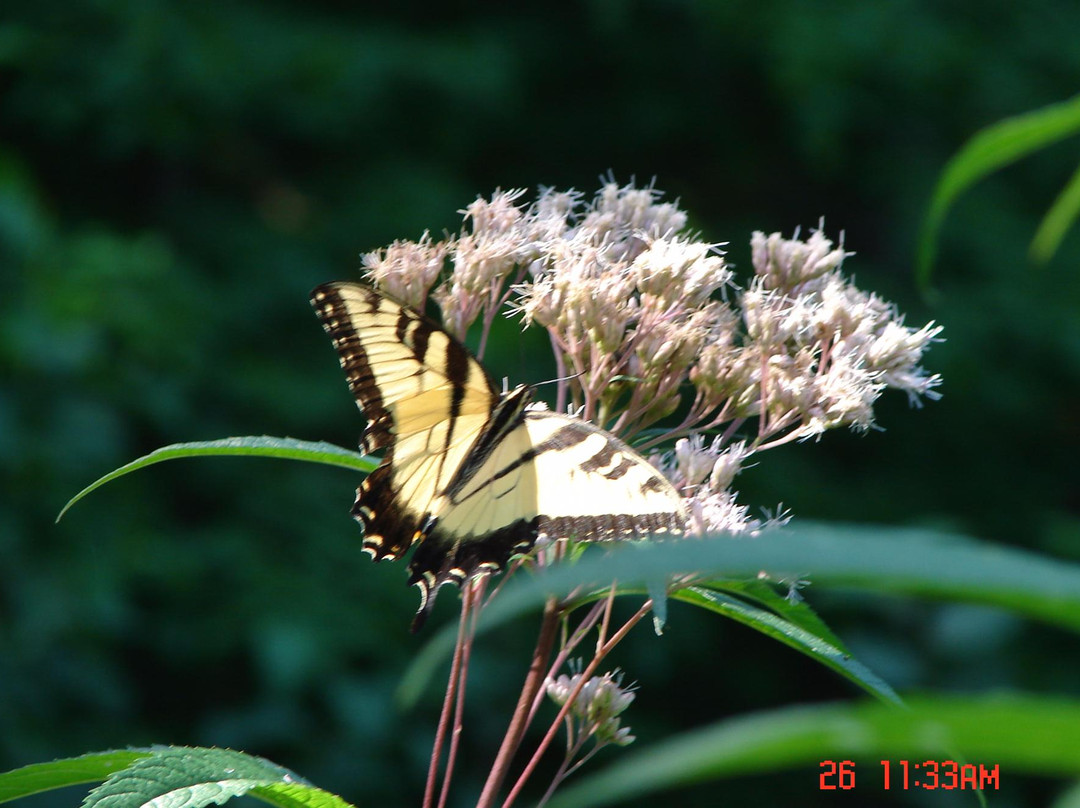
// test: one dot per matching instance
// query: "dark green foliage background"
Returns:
(175, 177)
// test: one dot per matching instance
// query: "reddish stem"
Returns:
(534, 680)
(585, 676)
(447, 710)
(470, 608)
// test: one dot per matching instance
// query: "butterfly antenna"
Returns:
(560, 379)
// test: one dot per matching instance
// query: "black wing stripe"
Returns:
(417, 338)
(562, 439)
(335, 317)
(507, 416)
(457, 372)
(401, 332)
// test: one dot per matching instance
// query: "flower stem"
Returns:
(471, 603)
(534, 680)
(447, 711)
(573, 747)
(590, 669)
(567, 648)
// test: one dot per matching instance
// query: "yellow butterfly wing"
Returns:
(426, 401)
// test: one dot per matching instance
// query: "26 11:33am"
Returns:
(906, 774)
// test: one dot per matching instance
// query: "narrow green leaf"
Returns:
(876, 559)
(1061, 216)
(425, 665)
(261, 446)
(91, 768)
(872, 559)
(795, 610)
(814, 646)
(656, 587)
(1015, 734)
(988, 150)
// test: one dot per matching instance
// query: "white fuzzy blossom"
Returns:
(826, 349)
(407, 270)
(645, 321)
(790, 264)
(597, 707)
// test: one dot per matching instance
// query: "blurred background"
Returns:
(175, 177)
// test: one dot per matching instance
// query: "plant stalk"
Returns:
(534, 680)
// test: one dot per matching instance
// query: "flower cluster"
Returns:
(646, 323)
(596, 709)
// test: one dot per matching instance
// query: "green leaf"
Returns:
(795, 610)
(167, 776)
(261, 446)
(992, 148)
(1069, 799)
(1062, 214)
(657, 589)
(873, 559)
(91, 768)
(297, 795)
(192, 777)
(772, 625)
(425, 665)
(195, 777)
(1016, 733)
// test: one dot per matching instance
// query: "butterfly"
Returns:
(468, 474)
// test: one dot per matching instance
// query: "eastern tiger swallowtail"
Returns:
(470, 474)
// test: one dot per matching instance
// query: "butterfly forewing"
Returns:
(425, 399)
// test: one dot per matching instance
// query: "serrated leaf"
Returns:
(260, 446)
(169, 777)
(298, 795)
(1016, 733)
(91, 768)
(192, 777)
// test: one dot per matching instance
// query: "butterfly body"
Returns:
(471, 476)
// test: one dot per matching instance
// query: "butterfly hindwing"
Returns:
(604, 491)
(549, 476)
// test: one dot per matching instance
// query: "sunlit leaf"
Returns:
(795, 610)
(814, 646)
(872, 559)
(261, 446)
(992, 148)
